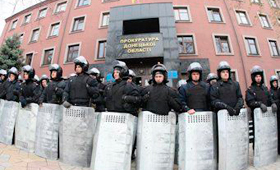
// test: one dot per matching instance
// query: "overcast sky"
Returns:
(9, 7)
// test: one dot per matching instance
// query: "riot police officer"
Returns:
(30, 91)
(226, 93)
(81, 88)
(43, 82)
(158, 98)
(211, 78)
(3, 77)
(99, 102)
(11, 87)
(274, 89)
(194, 95)
(54, 91)
(257, 95)
(131, 76)
(121, 96)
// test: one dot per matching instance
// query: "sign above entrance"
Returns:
(140, 46)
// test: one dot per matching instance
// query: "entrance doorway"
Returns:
(142, 68)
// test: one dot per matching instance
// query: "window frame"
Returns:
(81, 6)
(43, 56)
(189, 13)
(97, 49)
(220, 12)
(194, 43)
(239, 20)
(23, 21)
(231, 53)
(12, 23)
(50, 30)
(73, 22)
(270, 48)
(30, 52)
(41, 9)
(66, 51)
(246, 46)
(31, 35)
(236, 74)
(56, 7)
(268, 20)
(101, 19)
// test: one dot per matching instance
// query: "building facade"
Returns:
(144, 32)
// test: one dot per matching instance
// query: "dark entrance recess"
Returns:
(141, 26)
(142, 68)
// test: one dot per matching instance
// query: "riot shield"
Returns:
(156, 141)
(26, 127)
(76, 133)
(113, 141)
(47, 131)
(266, 137)
(197, 141)
(233, 134)
(7, 121)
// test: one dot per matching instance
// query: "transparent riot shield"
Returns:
(26, 127)
(266, 137)
(113, 141)
(47, 131)
(233, 145)
(7, 121)
(197, 141)
(76, 133)
(156, 141)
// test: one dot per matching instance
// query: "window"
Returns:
(274, 48)
(73, 52)
(181, 14)
(21, 38)
(14, 24)
(273, 3)
(48, 55)
(35, 35)
(54, 29)
(83, 2)
(242, 18)
(186, 44)
(27, 19)
(101, 49)
(233, 75)
(277, 73)
(105, 19)
(28, 59)
(42, 13)
(222, 45)
(251, 46)
(61, 7)
(141, 26)
(78, 24)
(214, 15)
(264, 21)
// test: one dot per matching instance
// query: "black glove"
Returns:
(16, 93)
(231, 111)
(185, 109)
(146, 97)
(263, 108)
(130, 99)
(23, 103)
(237, 109)
(274, 108)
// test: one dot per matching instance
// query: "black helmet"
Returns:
(81, 61)
(120, 65)
(29, 70)
(58, 69)
(223, 65)
(272, 79)
(159, 68)
(195, 67)
(257, 70)
(44, 77)
(94, 71)
(13, 71)
(211, 76)
(131, 73)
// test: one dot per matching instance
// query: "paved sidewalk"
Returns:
(12, 158)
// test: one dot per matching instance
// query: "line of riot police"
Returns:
(85, 88)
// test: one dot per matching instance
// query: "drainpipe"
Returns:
(238, 42)
(64, 30)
